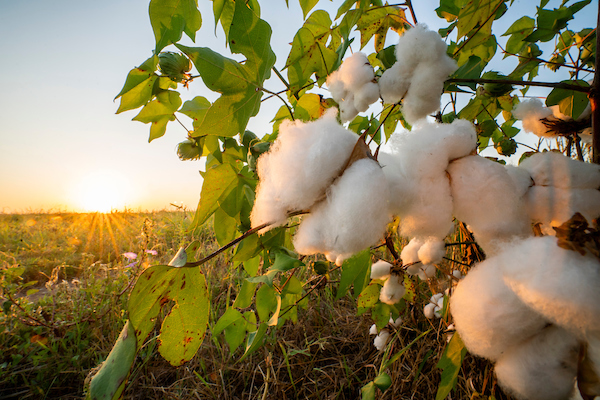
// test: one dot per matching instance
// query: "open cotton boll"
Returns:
(381, 339)
(489, 317)
(393, 85)
(353, 217)
(541, 368)
(373, 330)
(393, 290)
(432, 251)
(380, 270)
(556, 169)
(562, 285)
(521, 179)
(365, 96)
(530, 112)
(410, 252)
(429, 311)
(336, 86)
(399, 185)
(484, 197)
(301, 164)
(347, 109)
(356, 71)
(553, 206)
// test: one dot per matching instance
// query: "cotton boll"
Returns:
(530, 112)
(397, 322)
(541, 368)
(489, 317)
(393, 85)
(373, 330)
(347, 109)
(393, 290)
(521, 179)
(365, 96)
(410, 252)
(484, 197)
(553, 206)
(380, 270)
(426, 271)
(562, 285)
(432, 251)
(555, 169)
(356, 71)
(336, 86)
(381, 339)
(399, 184)
(301, 164)
(457, 274)
(429, 311)
(360, 194)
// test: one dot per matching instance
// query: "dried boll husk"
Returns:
(488, 315)
(543, 367)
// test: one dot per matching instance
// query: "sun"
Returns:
(102, 191)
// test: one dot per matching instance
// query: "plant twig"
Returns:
(558, 85)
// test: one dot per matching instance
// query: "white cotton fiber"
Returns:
(399, 183)
(541, 368)
(489, 317)
(485, 198)
(373, 330)
(521, 179)
(365, 96)
(556, 169)
(410, 252)
(530, 112)
(381, 340)
(553, 206)
(380, 270)
(392, 290)
(562, 285)
(301, 164)
(419, 73)
(432, 251)
(353, 217)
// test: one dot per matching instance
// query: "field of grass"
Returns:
(65, 280)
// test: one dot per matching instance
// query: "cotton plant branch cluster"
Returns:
(531, 304)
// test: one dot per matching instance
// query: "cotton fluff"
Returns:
(353, 217)
(419, 73)
(423, 271)
(553, 206)
(425, 204)
(521, 179)
(381, 339)
(380, 270)
(488, 315)
(301, 164)
(485, 197)
(435, 306)
(393, 290)
(556, 169)
(352, 86)
(530, 112)
(562, 285)
(432, 251)
(541, 368)
(373, 330)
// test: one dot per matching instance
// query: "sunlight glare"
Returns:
(103, 191)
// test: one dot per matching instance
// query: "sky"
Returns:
(63, 148)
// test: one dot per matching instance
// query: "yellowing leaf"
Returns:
(378, 21)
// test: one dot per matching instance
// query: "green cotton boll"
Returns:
(506, 147)
(174, 65)
(496, 89)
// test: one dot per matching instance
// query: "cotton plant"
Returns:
(382, 337)
(434, 308)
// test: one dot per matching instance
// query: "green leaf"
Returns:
(224, 11)
(368, 298)
(284, 262)
(159, 112)
(353, 269)
(218, 182)
(184, 327)
(170, 18)
(387, 56)
(266, 302)
(255, 340)
(381, 314)
(251, 266)
(470, 70)
(377, 22)
(383, 381)
(549, 23)
(137, 90)
(196, 109)
(367, 392)
(225, 227)
(570, 102)
(229, 317)
(450, 364)
(233, 324)
(448, 9)
(245, 295)
(307, 5)
(477, 14)
(238, 83)
(247, 249)
(109, 382)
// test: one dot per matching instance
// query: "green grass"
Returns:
(64, 287)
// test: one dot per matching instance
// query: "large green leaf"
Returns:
(518, 31)
(183, 329)
(159, 112)
(240, 84)
(477, 14)
(377, 22)
(108, 383)
(354, 271)
(195, 109)
(307, 5)
(218, 182)
(137, 90)
(570, 102)
(450, 364)
(170, 18)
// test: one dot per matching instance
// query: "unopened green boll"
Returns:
(174, 65)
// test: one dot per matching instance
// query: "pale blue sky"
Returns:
(62, 64)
